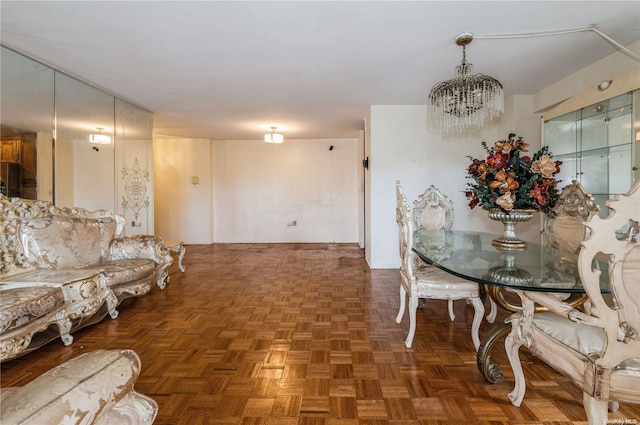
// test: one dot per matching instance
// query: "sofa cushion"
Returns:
(108, 229)
(59, 242)
(21, 305)
(122, 271)
(585, 339)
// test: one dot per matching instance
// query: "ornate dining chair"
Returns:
(564, 227)
(598, 350)
(428, 282)
(434, 211)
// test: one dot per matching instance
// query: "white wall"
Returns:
(94, 176)
(260, 189)
(361, 187)
(183, 211)
(367, 190)
(605, 69)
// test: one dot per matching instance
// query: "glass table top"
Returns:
(471, 255)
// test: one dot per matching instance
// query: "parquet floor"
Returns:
(290, 334)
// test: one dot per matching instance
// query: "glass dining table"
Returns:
(471, 255)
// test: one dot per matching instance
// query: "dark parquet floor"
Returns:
(288, 334)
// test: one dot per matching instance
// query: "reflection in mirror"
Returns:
(59, 143)
(84, 160)
(26, 127)
(134, 164)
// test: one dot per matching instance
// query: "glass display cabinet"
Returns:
(598, 145)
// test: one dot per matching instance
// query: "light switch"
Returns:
(194, 180)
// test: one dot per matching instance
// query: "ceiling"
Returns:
(232, 69)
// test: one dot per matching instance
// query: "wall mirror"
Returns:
(26, 126)
(84, 145)
(70, 143)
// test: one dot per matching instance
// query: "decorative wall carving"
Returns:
(135, 196)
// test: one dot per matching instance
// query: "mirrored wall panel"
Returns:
(84, 161)
(26, 127)
(68, 142)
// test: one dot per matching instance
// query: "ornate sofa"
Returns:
(93, 388)
(65, 268)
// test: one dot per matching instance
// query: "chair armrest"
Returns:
(139, 246)
(561, 308)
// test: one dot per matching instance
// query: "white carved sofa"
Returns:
(65, 268)
(94, 388)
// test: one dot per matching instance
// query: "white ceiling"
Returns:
(231, 69)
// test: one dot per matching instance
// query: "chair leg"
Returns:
(413, 307)
(478, 308)
(512, 345)
(403, 302)
(596, 409)
(452, 315)
(491, 317)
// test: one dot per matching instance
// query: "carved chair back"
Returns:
(620, 318)
(405, 233)
(564, 227)
(433, 210)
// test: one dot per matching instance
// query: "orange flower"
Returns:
(504, 182)
(505, 146)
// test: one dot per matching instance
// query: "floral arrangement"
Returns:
(508, 180)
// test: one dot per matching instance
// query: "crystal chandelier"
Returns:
(466, 101)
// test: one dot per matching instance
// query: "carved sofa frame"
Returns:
(93, 388)
(65, 268)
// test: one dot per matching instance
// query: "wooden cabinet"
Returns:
(11, 150)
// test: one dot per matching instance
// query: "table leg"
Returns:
(491, 370)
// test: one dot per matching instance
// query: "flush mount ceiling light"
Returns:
(604, 85)
(466, 101)
(99, 138)
(273, 137)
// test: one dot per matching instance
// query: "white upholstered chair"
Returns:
(434, 211)
(599, 351)
(429, 282)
